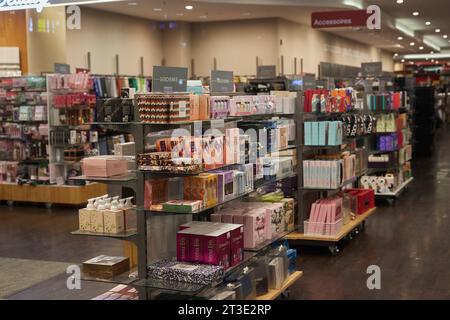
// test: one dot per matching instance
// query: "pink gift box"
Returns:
(254, 227)
(104, 166)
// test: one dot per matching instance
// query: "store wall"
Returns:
(177, 44)
(106, 34)
(46, 39)
(234, 44)
(13, 33)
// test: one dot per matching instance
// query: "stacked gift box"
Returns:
(262, 221)
(164, 108)
(210, 243)
(198, 192)
(323, 133)
(327, 173)
(114, 110)
(325, 101)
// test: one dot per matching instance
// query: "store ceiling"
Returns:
(394, 16)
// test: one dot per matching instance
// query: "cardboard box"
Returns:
(104, 166)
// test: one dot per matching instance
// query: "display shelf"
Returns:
(124, 235)
(125, 278)
(268, 243)
(397, 191)
(110, 180)
(261, 184)
(65, 194)
(343, 184)
(191, 288)
(167, 285)
(272, 294)
(67, 145)
(346, 229)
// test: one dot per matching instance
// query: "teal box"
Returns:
(308, 133)
(323, 126)
(315, 133)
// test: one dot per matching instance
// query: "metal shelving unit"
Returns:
(145, 218)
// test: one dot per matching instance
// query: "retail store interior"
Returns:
(224, 150)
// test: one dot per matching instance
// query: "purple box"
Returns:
(216, 217)
(236, 244)
(216, 247)
(225, 185)
(196, 245)
(183, 246)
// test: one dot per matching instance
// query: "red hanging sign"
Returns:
(337, 19)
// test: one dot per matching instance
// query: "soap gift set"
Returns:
(108, 215)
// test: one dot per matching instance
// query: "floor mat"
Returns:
(19, 274)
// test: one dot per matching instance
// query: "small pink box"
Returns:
(254, 228)
(104, 166)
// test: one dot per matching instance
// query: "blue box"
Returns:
(315, 133)
(323, 125)
(308, 133)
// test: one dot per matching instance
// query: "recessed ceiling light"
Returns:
(431, 52)
(438, 30)
(395, 54)
(411, 44)
(428, 23)
(432, 60)
(420, 48)
(157, 9)
(415, 13)
(399, 1)
(437, 61)
(426, 59)
(403, 60)
(445, 36)
(400, 38)
(189, 7)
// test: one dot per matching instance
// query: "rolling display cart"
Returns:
(352, 228)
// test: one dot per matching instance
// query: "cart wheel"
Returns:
(10, 203)
(334, 250)
(357, 230)
(391, 201)
(286, 294)
(48, 205)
